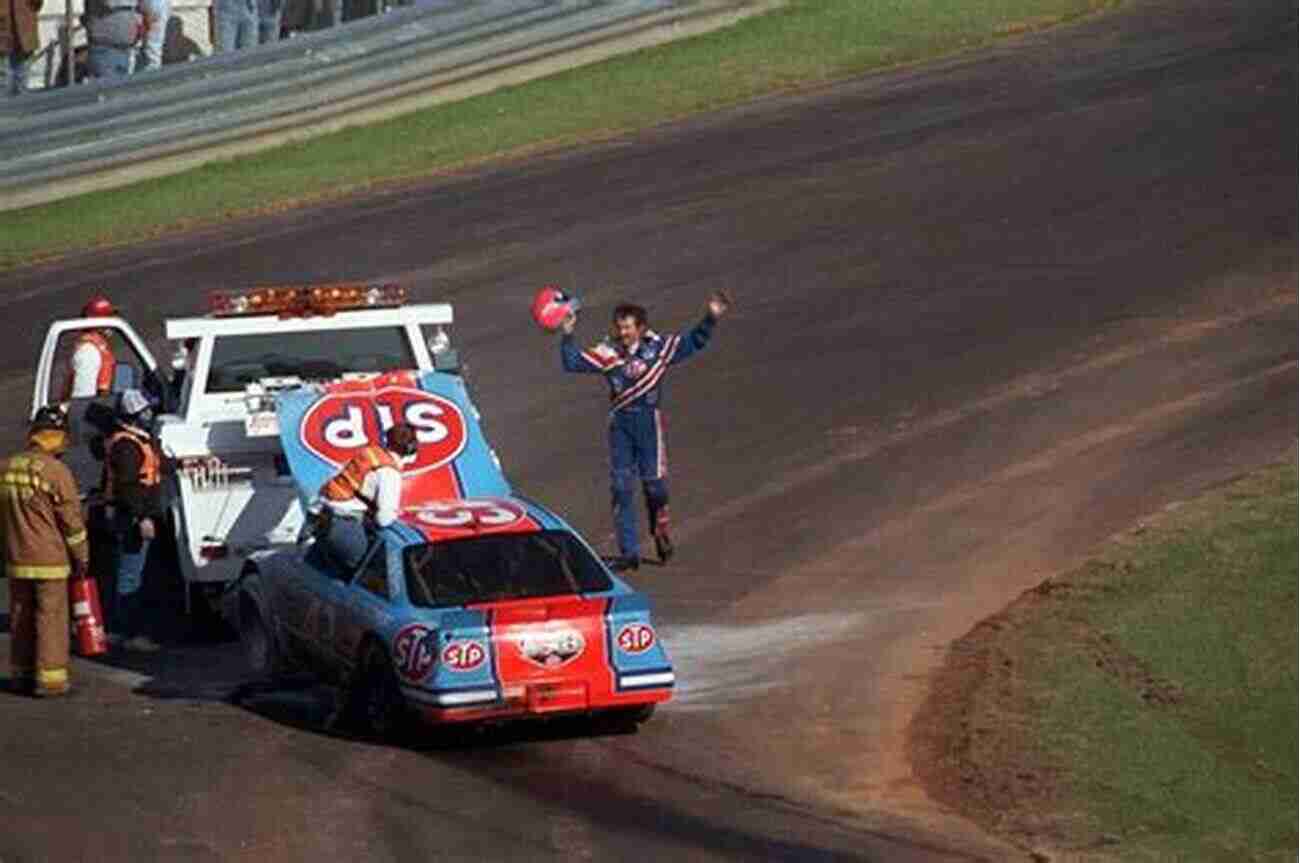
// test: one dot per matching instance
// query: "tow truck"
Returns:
(228, 487)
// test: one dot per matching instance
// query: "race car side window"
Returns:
(374, 573)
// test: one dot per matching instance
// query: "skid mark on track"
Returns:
(718, 664)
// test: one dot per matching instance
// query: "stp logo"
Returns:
(463, 655)
(340, 424)
(413, 652)
(636, 638)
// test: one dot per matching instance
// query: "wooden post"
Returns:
(68, 20)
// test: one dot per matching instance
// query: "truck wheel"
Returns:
(381, 708)
(206, 622)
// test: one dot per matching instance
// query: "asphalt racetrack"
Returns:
(989, 313)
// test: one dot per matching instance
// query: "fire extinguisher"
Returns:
(90, 639)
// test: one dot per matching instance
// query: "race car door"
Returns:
(328, 608)
(311, 601)
(135, 368)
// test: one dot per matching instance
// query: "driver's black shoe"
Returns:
(625, 563)
(663, 545)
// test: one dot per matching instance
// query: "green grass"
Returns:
(808, 42)
(1165, 680)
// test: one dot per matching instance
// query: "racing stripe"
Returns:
(651, 378)
(609, 644)
(661, 466)
(604, 364)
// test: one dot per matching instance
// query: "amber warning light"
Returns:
(304, 300)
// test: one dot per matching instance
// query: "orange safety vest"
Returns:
(104, 380)
(150, 460)
(347, 483)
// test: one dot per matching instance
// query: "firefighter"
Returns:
(133, 494)
(368, 489)
(91, 366)
(634, 360)
(44, 542)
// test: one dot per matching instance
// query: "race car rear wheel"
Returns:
(261, 650)
(380, 708)
(624, 720)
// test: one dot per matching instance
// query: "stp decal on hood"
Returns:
(323, 425)
(339, 424)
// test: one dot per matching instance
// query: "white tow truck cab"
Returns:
(228, 489)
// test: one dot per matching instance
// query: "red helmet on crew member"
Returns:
(98, 306)
(551, 306)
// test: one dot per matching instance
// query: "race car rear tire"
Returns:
(625, 720)
(261, 650)
(378, 704)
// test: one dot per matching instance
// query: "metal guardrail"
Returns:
(74, 139)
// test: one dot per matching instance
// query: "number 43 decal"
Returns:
(465, 513)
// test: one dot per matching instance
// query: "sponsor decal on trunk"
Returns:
(552, 647)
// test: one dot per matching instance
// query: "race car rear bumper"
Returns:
(535, 701)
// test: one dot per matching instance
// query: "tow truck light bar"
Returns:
(304, 300)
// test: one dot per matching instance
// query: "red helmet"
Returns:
(551, 306)
(98, 306)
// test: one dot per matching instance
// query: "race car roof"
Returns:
(440, 520)
(322, 426)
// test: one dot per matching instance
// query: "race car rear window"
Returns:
(315, 355)
(501, 567)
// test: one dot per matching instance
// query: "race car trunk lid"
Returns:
(551, 653)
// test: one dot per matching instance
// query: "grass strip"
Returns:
(805, 43)
(1144, 707)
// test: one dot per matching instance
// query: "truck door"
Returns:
(134, 366)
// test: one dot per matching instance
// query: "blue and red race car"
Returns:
(477, 604)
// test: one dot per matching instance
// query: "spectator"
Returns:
(80, 62)
(268, 20)
(326, 13)
(112, 28)
(177, 47)
(156, 14)
(234, 24)
(19, 40)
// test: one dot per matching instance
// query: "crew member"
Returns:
(368, 488)
(113, 28)
(91, 366)
(44, 542)
(634, 360)
(133, 489)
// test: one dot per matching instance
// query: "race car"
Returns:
(478, 604)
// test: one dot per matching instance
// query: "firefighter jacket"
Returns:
(133, 474)
(634, 376)
(92, 356)
(19, 30)
(41, 529)
(370, 482)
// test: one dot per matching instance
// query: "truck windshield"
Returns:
(313, 355)
(499, 567)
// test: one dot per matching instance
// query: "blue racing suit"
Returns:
(636, 441)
